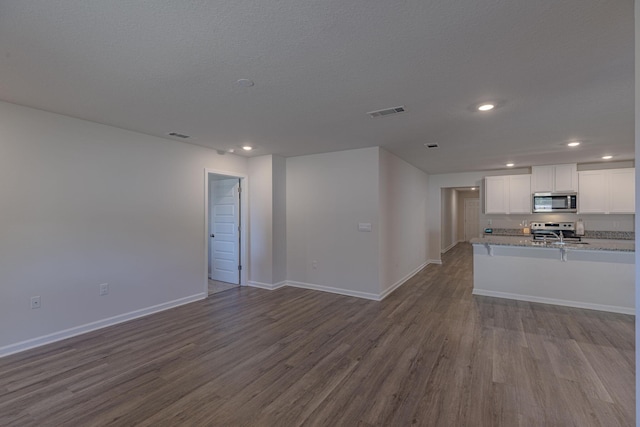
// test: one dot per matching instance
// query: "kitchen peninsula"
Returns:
(597, 274)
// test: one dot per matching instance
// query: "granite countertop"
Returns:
(585, 245)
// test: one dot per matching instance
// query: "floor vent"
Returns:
(386, 111)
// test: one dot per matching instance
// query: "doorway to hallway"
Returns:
(471, 219)
(224, 220)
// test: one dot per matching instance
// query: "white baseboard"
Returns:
(434, 261)
(82, 329)
(448, 248)
(566, 303)
(268, 286)
(365, 295)
(99, 324)
(402, 281)
(451, 246)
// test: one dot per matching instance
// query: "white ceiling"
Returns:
(563, 70)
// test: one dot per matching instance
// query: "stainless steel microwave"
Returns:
(555, 202)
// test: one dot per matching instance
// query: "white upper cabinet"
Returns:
(566, 177)
(554, 178)
(507, 194)
(496, 194)
(592, 197)
(607, 191)
(520, 194)
(542, 178)
(622, 190)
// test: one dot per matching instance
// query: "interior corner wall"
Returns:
(637, 217)
(403, 220)
(85, 204)
(447, 215)
(267, 223)
(279, 205)
(327, 196)
(261, 220)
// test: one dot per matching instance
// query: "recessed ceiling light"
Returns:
(607, 157)
(483, 107)
(247, 147)
(510, 165)
(574, 144)
(486, 107)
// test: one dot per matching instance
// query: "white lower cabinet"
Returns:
(609, 191)
(507, 194)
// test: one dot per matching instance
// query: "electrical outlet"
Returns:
(104, 289)
(35, 302)
(314, 264)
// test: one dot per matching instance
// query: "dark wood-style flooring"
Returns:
(430, 354)
(216, 287)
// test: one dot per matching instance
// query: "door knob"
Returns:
(213, 235)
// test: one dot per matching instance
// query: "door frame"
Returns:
(244, 221)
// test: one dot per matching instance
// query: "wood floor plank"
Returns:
(430, 354)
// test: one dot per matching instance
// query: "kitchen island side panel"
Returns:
(599, 280)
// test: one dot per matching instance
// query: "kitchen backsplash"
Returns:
(592, 223)
(588, 234)
(617, 235)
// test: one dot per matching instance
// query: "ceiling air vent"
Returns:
(431, 145)
(178, 135)
(386, 111)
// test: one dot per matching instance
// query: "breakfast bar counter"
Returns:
(597, 274)
(585, 244)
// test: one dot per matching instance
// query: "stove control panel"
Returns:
(553, 226)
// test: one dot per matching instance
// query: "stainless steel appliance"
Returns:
(555, 202)
(554, 231)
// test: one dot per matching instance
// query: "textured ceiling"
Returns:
(562, 69)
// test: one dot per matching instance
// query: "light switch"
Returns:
(364, 226)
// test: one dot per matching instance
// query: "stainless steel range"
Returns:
(554, 231)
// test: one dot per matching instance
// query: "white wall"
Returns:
(267, 204)
(279, 204)
(84, 204)
(403, 215)
(448, 211)
(327, 196)
(261, 220)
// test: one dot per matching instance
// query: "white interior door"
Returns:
(471, 219)
(224, 230)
